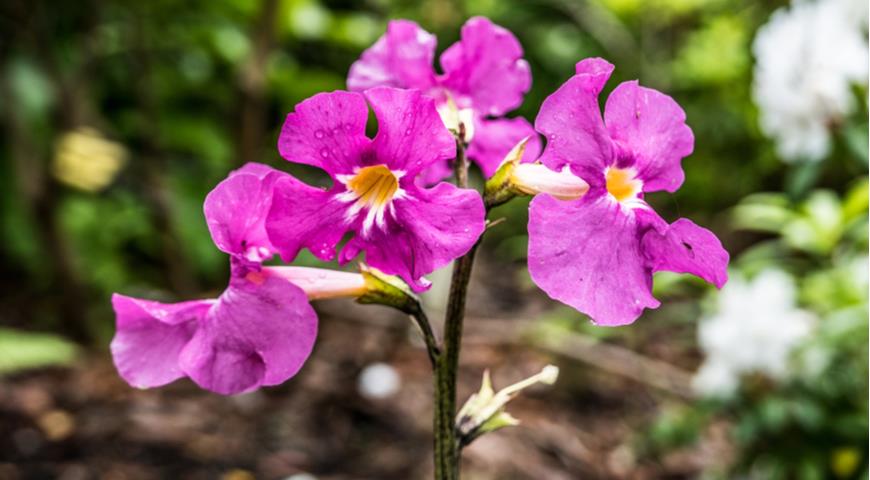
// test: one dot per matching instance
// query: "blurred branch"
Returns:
(41, 194)
(154, 163)
(608, 357)
(604, 27)
(252, 86)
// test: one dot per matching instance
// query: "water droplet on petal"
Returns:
(324, 152)
(318, 133)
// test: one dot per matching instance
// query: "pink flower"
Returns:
(598, 253)
(258, 332)
(484, 78)
(404, 229)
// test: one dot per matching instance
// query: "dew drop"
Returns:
(318, 133)
(324, 152)
(408, 131)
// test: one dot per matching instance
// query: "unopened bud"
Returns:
(484, 411)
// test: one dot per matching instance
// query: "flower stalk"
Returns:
(447, 449)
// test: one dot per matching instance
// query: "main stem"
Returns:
(447, 450)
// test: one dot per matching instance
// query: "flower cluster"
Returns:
(594, 243)
(755, 330)
(808, 57)
(484, 78)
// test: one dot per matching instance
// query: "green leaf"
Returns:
(24, 350)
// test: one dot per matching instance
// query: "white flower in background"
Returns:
(755, 330)
(808, 57)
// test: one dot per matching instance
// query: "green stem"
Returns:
(447, 451)
(422, 321)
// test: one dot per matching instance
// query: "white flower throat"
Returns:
(371, 189)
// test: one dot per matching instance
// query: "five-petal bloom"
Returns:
(484, 78)
(404, 229)
(258, 332)
(598, 253)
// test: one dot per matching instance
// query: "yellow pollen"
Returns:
(374, 186)
(621, 183)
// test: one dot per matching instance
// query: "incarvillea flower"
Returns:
(403, 228)
(808, 59)
(484, 78)
(258, 332)
(595, 244)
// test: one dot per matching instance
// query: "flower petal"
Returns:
(150, 337)
(236, 210)
(435, 173)
(493, 139)
(570, 119)
(586, 253)
(328, 131)
(305, 217)
(687, 248)
(411, 135)
(259, 333)
(401, 58)
(431, 228)
(650, 128)
(596, 71)
(487, 66)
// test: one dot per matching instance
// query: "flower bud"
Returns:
(485, 410)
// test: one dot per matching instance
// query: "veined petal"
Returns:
(327, 131)
(258, 333)
(687, 248)
(411, 135)
(495, 138)
(401, 58)
(302, 216)
(650, 129)
(431, 228)
(487, 66)
(150, 337)
(587, 253)
(570, 120)
(236, 210)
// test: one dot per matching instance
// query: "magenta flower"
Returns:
(258, 332)
(404, 229)
(484, 78)
(598, 253)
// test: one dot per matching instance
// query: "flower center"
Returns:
(371, 188)
(622, 184)
(374, 186)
